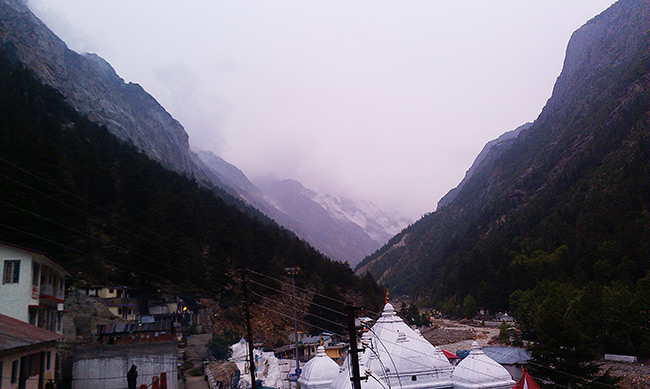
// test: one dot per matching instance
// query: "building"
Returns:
(105, 366)
(511, 358)
(121, 301)
(396, 356)
(32, 288)
(478, 371)
(319, 372)
(27, 354)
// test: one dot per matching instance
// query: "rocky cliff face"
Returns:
(338, 227)
(91, 86)
(490, 153)
(539, 191)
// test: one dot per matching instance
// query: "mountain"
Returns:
(566, 200)
(92, 87)
(111, 215)
(490, 153)
(339, 227)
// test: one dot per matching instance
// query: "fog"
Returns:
(383, 101)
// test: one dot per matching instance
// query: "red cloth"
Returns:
(526, 382)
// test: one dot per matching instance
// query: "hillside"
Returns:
(93, 87)
(569, 199)
(110, 214)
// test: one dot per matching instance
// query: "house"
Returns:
(27, 354)
(133, 332)
(32, 288)
(120, 300)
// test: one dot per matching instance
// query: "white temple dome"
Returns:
(478, 370)
(319, 372)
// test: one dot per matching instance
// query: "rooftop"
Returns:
(17, 334)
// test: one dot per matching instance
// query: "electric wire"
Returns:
(301, 321)
(87, 235)
(297, 298)
(97, 218)
(300, 310)
(88, 202)
(91, 255)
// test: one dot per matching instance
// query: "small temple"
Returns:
(396, 356)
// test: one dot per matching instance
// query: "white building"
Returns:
(27, 354)
(478, 371)
(319, 372)
(395, 356)
(32, 288)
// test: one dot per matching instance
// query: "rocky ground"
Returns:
(633, 375)
(452, 336)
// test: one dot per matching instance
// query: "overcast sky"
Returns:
(387, 101)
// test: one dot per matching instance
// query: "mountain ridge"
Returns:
(93, 87)
(597, 108)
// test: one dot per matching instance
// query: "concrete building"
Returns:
(121, 301)
(105, 367)
(319, 372)
(27, 355)
(32, 288)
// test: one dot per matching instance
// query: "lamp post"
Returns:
(293, 271)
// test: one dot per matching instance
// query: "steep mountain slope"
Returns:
(110, 214)
(93, 87)
(342, 229)
(571, 191)
(334, 226)
(490, 152)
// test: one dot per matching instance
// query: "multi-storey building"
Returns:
(32, 288)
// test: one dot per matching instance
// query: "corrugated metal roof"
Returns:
(507, 355)
(15, 333)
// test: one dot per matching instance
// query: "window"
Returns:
(11, 272)
(49, 360)
(36, 273)
(14, 371)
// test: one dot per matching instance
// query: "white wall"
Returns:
(110, 373)
(15, 298)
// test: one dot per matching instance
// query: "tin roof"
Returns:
(17, 334)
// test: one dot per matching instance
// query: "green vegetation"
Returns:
(109, 214)
(219, 345)
(412, 315)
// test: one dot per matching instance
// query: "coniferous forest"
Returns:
(109, 214)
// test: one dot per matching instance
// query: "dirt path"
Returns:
(195, 352)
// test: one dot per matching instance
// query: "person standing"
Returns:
(132, 376)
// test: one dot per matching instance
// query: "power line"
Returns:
(298, 298)
(90, 255)
(88, 202)
(301, 321)
(131, 233)
(301, 310)
(85, 234)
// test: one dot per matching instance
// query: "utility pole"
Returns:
(249, 332)
(354, 351)
(293, 271)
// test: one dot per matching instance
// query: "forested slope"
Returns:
(563, 214)
(110, 214)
